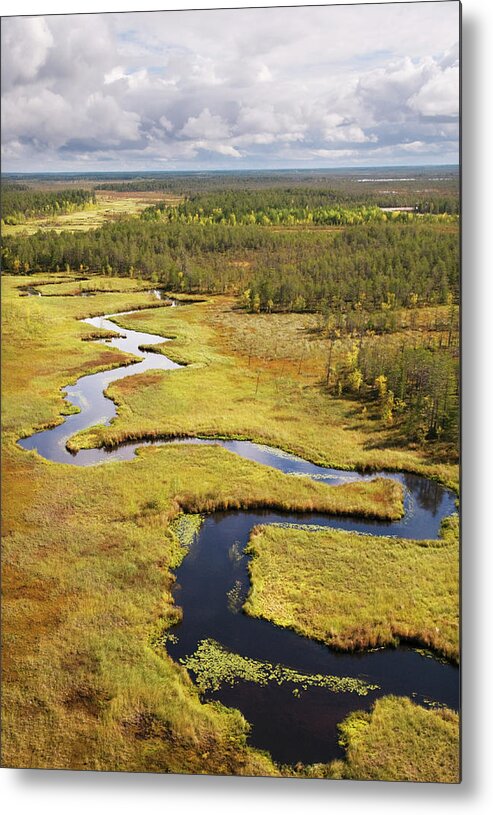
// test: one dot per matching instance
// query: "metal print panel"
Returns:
(231, 283)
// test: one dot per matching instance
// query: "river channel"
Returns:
(293, 727)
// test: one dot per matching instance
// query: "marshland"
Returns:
(267, 515)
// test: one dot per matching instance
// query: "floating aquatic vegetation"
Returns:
(186, 528)
(326, 476)
(278, 452)
(424, 652)
(214, 666)
(235, 597)
(328, 529)
(162, 638)
(235, 552)
(432, 704)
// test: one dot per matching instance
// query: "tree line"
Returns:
(431, 190)
(296, 206)
(360, 267)
(376, 266)
(19, 203)
(416, 384)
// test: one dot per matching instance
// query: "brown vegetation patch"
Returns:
(87, 698)
(139, 381)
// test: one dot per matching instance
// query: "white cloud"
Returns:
(260, 86)
(25, 47)
(440, 95)
(108, 120)
(222, 149)
(206, 126)
(414, 146)
(165, 124)
(40, 118)
(339, 129)
(114, 75)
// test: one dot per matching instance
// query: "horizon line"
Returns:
(237, 170)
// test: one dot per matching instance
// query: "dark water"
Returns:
(292, 728)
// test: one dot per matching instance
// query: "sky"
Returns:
(305, 87)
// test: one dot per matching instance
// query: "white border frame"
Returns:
(54, 792)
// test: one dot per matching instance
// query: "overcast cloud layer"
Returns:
(232, 89)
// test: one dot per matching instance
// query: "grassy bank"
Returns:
(87, 594)
(399, 741)
(93, 284)
(355, 591)
(237, 396)
(86, 583)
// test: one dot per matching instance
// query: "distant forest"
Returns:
(433, 189)
(425, 192)
(289, 208)
(19, 202)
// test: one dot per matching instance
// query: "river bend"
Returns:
(293, 728)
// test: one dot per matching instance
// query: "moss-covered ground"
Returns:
(356, 591)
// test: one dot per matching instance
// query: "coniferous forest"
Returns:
(19, 202)
(365, 270)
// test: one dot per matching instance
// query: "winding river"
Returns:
(292, 727)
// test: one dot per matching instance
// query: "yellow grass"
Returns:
(355, 591)
(107, 208)
(86, 573)
(399, 741)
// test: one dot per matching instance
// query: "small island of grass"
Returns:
(356, 591)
